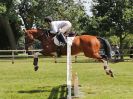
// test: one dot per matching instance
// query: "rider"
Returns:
(60, 28)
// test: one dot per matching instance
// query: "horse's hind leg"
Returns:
(104, 59)
(106, 66)
(35, 62)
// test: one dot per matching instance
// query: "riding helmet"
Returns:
(48, 19)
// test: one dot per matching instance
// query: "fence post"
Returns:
(12, 57)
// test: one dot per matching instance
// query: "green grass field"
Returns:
(20, 81)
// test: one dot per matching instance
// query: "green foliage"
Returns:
(128, 41)
(2, 8)
(118, 15)
(9, 15)
(34, 11)
(117, 18)
(89, 25)
(114, 40)
(110, 18)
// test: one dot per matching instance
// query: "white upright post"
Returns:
(12, 57)
(69, 67)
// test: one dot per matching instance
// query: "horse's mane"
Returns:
(40, 30)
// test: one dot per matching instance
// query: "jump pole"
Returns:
(72, 79)
(69, 68)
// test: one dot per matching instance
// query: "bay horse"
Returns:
(89, 45)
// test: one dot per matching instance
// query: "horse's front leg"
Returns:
(55, 58)
(35, 62)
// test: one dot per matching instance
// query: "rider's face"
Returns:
(47, 24)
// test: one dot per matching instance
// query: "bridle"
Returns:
(42, 33)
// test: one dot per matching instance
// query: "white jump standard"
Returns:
(69, 72)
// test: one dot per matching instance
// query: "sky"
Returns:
(88, 6)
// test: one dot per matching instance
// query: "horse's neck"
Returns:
(47, 40)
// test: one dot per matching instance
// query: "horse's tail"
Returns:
(106, 47)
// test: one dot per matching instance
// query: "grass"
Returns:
(20, 81)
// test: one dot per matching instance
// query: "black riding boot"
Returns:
(61, 38)
(58, 51)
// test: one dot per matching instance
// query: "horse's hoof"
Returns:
(36, 68)
(107, 73)
(111, 73)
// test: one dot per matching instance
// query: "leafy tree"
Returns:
(9, 27)
(92, 25)
(110, 17)
(118, 17)
(34, 11)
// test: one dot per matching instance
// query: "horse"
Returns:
(88, 44)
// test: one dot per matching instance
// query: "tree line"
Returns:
(112, 19)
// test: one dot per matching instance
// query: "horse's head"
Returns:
(42, 35)
(29, 38)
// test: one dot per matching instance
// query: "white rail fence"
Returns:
(12, 54)
(16, 53)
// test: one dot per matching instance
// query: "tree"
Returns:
(7, 23)
(114, 17)
(33, 12)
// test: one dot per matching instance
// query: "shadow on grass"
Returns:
(32, 91)
(58, 92)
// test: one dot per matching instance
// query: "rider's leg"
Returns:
(64, 31)
(58, 50)
(60, 36)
